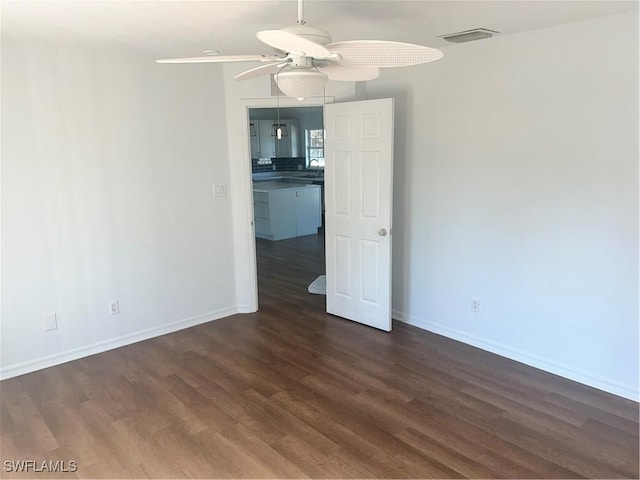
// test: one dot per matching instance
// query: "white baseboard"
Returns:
(99, 347)
(247, 309)
(556, 368)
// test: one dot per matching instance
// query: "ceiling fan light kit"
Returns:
(305, 59)
(301, 84)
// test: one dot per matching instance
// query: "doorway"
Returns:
(289, 246)
(359, 146)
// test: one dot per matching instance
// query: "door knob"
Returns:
(382, 232)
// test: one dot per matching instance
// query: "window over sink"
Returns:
(314, 140)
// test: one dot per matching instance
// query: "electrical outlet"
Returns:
(114, 307)
(50, 322)
(475, 305)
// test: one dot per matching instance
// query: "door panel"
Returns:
(341, 179)
(371, 185)
(342, 266)
(358, 170)
(370, 271)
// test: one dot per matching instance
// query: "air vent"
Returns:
(469, 35)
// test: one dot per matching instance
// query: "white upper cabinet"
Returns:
(254, 140)
(267, 140)
(265, 144)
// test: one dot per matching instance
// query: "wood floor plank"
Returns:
(292, 392)
(33, 430)
(262, 452)
(463, 465)
(547, 445)
(138, 439)
(319, 464)
(206, 411)
(621, 422)
(480, 444)
(104, 437)
(229, 461)
(71, 432)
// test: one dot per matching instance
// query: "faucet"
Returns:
(317, 166)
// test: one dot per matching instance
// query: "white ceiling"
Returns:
(186, 28)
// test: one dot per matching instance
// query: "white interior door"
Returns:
(358, 194)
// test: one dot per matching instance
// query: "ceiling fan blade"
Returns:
(222, 58)
(382, 53)
(337, 71)
(292, 43)
(261, 70)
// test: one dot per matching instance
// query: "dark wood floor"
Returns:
(291, 392)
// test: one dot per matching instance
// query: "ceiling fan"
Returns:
(306, 58)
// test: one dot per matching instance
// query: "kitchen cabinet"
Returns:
(283, 145)
(283, 210)
(289, 145)
(267, 142)
(254, 140)
(266, 145)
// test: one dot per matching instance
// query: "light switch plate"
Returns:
(219, 190)
(50, 322)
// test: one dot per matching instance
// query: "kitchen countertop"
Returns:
(268, 186)
(274, 176)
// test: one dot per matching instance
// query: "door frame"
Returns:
(247, 184)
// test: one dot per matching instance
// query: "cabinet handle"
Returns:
(297, 193)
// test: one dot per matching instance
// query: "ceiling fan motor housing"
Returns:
(314, 34)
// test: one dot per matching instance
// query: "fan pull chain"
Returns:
(278, 128)
(324, 130)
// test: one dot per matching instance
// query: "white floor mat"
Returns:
(319, 285)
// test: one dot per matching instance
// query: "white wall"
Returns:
(516, 181)
(107, 170)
